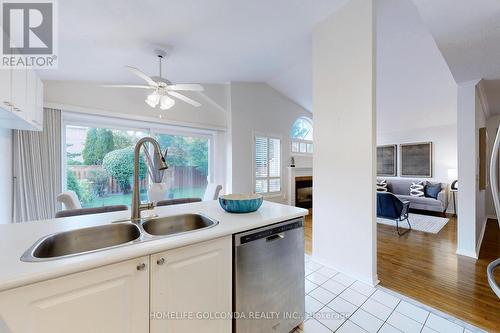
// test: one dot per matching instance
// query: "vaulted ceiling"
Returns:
(239, 40)
(212, 41)
(468, 35)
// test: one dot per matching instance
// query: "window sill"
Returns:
(301, 154)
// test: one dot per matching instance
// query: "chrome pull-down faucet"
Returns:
(137, 207)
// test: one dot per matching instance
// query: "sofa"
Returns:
(401, 188)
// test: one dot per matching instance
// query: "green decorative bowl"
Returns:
(241, 203)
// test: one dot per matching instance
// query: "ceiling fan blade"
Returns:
(127, 86)
(184, 98)
(142, 76)
(186, 87)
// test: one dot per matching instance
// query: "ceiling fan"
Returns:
(162, 88)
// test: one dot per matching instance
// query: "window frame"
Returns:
(299, 153)
(267, 178)
(90, 120)
(299, 141)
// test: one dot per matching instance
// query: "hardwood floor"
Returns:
(308, 233)
(425, 267)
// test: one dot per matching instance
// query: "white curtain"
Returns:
(37, 169)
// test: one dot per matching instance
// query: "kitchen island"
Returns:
(123, 286)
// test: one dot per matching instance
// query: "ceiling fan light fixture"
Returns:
(166, 102)
(161, 87)
(153, 99)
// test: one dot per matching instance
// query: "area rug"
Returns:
(425, 223)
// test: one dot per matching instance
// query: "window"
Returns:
(267, 165)
(99, 163)
(187, 159)
(302, 136)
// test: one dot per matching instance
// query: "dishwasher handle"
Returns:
(269, 233)
(275, 237)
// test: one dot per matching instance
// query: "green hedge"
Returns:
(120, 165)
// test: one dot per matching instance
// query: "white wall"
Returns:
(444, 145)
(415, 88)
(256, 108)
(416, 92)
(92, 97)
(492, 125)
(481, 194)
(471, 201)
(6, 176)
(344, 233)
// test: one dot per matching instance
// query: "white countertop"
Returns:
(16, 238)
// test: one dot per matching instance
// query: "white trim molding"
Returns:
(374, 281)
(475, 254)
(466, 253)
(481, 236)
(294, 172)
(483, 98)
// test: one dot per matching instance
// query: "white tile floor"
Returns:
(338, 303)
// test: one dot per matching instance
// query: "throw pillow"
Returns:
(432, 190)
(417, 189)
(381, 185)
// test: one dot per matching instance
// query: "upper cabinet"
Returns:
(38, 117)
(5, 89)
(21, 99)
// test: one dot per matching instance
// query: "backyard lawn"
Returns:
(126, 199)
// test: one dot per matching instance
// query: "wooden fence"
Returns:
(186, 177)
(177, 177)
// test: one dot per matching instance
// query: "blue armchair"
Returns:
(392, 208)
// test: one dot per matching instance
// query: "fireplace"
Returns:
(303, 191)
(300, 177)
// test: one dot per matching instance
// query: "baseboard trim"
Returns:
(372, 281)
(481, 236)
(475, 254)
(466, 253)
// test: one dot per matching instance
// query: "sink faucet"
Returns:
(137, 207)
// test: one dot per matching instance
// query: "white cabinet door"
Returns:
(192, 282)
(30, 109)
(5, 89)
(5, 85)
(33, 113)
(19, 96)
(109, 299)
(39, 103)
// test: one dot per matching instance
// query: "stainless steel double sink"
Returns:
(92, 239)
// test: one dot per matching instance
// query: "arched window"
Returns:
(302, 129)
(302, 136)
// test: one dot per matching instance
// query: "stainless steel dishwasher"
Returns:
(268, 278)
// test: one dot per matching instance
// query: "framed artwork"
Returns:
(416, 160)
(387, 160)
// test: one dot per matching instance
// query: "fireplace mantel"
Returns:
(292, 174)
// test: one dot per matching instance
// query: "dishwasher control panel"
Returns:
(271, 232)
